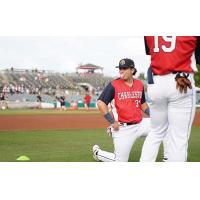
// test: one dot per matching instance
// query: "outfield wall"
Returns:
(22, 105)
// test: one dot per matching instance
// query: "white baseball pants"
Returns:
(123, 141)
(173, 112)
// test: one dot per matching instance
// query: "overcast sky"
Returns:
(63, 54)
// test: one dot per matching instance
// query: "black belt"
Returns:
(128, 123)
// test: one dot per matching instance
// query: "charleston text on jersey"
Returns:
(129, 95)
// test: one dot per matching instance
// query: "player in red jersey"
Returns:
(171, 90)
(87, 100)
(129, 99)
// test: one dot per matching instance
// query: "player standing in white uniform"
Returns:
(171, 90)
(129, 100)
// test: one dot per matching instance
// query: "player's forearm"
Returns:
(103, 108)
(145, 108)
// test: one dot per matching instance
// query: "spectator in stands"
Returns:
(11, 89)
(2, 96)
(39, 99)
(62, 103)
(87, 100)
(2, 101)
(57, 102)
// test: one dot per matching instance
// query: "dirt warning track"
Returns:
(45, 122)
(40, 122)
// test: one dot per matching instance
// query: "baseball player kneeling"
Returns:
(129, 101)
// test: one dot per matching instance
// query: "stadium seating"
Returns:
(50, 84)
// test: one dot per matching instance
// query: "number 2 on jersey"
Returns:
(170, 39)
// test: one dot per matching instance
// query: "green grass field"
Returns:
(71, 145)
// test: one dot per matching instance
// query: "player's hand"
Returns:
(115, 126)
(109, 131)
(182, 83)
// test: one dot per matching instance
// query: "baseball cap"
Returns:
(126, 62)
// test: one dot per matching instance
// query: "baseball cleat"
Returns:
(95, 150)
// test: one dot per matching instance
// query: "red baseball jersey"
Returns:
(128, 100)
(172, 53)
(87, 99)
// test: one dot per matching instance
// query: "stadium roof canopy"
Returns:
(89, 69)
(89, 66)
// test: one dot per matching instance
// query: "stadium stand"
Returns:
(21, 85)
(25, 85)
